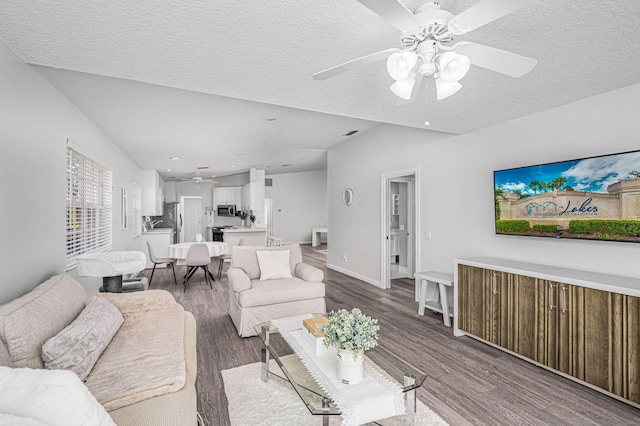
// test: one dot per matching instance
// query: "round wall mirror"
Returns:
(347, 196)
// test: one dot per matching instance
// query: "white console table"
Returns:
(316, 235)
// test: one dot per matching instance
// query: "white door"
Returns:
(192, 217)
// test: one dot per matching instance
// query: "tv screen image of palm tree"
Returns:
(589, 198)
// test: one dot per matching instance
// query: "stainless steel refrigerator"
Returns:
(171, 219)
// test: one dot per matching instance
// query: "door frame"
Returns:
(413, 207)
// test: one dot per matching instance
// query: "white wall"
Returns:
(299, 204)
(457, 186)
(35, 123)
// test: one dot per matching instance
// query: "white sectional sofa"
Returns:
(145, 375)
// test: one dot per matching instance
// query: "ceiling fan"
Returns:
(199, 179)
(428, 49)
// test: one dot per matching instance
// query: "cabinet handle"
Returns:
(551, 306)
(494, 284)
(564, 300)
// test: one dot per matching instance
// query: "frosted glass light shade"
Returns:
(404, 88)
(444, 89)
(400, 64)
(453, 66)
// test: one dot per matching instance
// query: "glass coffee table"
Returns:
(275, 348)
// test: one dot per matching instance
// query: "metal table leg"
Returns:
(410, 401)
(265, 354)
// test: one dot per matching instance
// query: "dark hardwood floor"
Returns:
(468, 383)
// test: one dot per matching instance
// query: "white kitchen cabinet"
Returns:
(231, 195)
(152, 193)
(170, 192)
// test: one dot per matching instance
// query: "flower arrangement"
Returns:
(351, 330)
(243, 214)
(252, 218)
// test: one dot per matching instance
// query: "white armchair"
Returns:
(252, 301)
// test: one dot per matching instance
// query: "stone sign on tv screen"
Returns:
(589, 198)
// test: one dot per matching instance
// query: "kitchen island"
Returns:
(159, 238)
(251, 236)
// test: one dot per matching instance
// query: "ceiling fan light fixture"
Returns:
(453, 66)
(404, 88)
(400, 64)
(427, 69)
(444, 88)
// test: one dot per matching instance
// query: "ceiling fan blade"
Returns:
(414, 93)
(395, 13)
(364, 60)
(497, 60)
(484, 12)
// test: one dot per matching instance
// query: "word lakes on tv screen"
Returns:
(595, 198)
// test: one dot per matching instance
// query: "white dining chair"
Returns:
(160, 260)
(197, 257)
(226, 258)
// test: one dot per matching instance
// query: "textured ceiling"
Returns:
(267, 52)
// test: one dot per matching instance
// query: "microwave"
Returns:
(226, 210)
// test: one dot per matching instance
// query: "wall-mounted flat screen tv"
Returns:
(595, 198)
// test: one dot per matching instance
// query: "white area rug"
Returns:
(253, 402)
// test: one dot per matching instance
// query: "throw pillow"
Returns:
(48, 397)
(274, 264)
(78, 346)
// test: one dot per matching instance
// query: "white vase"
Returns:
(350, 369)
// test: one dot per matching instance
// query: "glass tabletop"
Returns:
(317, 401)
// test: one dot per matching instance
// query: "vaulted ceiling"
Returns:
(199, 79)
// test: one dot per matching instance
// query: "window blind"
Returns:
(136, 209)
(89, 207)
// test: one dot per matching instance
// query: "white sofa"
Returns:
(252, 301)
(156, 343)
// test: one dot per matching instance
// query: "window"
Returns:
(136, 209)
(89, 207)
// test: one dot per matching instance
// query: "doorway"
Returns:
(400, 248)
(192, 213)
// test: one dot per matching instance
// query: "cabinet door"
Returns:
(528, 322)
(479, 302)
(599, 338)
(471, 300)
(394, 244)
(631, 333)
(498, 290)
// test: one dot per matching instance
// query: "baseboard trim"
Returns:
(354, 275)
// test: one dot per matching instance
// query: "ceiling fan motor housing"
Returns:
(435, 22)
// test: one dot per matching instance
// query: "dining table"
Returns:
(179, 252)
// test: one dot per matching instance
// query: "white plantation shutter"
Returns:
(136, 209)
(89, 189)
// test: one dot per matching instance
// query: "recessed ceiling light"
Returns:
(168, 170)
(352, 132)
(271, 119)
(174, 158)
(233, 166)
(213, 176)
(426, 123)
